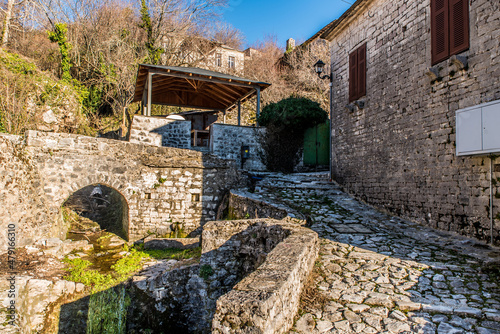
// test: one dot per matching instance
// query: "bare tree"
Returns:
(228, 35)
(290, 74)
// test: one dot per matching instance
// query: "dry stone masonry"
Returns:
(160, 131)
(165, 188)
(395, 148)
(249, 279)
(227, 141)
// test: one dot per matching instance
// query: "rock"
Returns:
(353, 298)
(79, 287)
(459, 322)
(342, 325)
(305, 324)
(398, 315)
(351, 316)
(398, 327)
(49, 117)
(469, 311)
(438, 278)
(495, 316)
(408, 306)
(445, 328)
(380, 311)
(379, 299)
(323, 326)
(373, 320)
(439, 318)
(482, 330)
(69, 287)
(332, 316)
(358, 308)
(437, 308)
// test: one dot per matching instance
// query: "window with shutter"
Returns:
(357, 73)
(449, 28)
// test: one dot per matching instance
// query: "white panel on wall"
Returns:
(478, 129)
(469, 131)
(491, 127)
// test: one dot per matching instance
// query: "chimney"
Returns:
(290, 44)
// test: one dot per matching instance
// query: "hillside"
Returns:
(31, 99)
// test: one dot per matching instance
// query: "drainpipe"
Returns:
(257, 111)
(331, 120)
(491, 199)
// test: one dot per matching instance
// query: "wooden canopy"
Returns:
(192, 88)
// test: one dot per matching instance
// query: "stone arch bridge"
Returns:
(161, 185)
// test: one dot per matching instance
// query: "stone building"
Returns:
(401, 70)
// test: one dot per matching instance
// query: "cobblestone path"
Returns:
(382, 274)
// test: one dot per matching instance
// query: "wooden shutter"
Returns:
(353, 69)
(361, 84)
(439, 30)
(459, 26)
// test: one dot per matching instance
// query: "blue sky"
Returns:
(298, 19)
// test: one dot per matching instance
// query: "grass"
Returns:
(79, 273)
(174, 253)
(124, 268)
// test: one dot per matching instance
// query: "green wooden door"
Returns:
(316, 145)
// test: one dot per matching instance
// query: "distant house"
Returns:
(401, 70)
(204, 53)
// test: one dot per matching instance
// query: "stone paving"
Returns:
(383, 274)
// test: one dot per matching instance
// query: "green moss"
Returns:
(122, 270)
(108, 311)
(206, 271)
(174, 253)
(78, 272)
(129, 264)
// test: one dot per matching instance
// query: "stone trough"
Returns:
(266, 300)
(249, 279)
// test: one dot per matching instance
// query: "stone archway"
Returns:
(103, 205)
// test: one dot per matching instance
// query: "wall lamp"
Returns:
(319, 67)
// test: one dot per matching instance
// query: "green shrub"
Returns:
(286, 122)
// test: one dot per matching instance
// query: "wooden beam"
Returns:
(220, 81)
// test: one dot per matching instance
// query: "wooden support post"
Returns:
(239, 112)
(150, 88)
(257, 111)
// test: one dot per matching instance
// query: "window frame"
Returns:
(450, 29)
(231, 62)
(218, 59)
(357, 73)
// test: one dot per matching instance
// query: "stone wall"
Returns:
(247, 205)
(249, 279)
(160, 131)
(267, 299)
(226, 141)
(163, 187)
(398, 150)
(23, 199)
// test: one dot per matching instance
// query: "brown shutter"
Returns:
(459, 26)
(439, 30)
(353, 66)
(361, 84)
